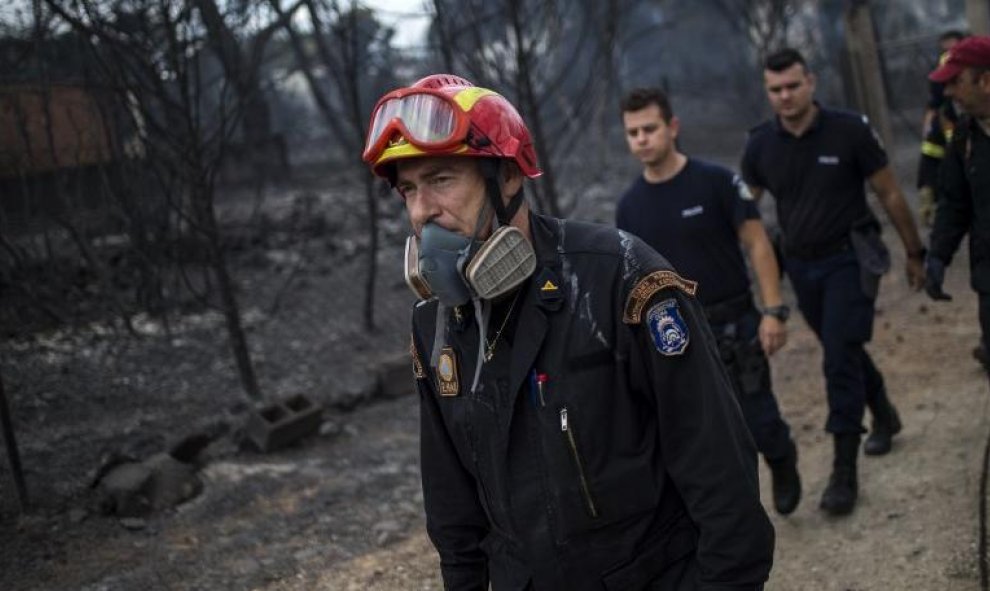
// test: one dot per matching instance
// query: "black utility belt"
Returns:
(729, 310)
(814, 252)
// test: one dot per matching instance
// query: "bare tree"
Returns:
(10, 442)
(763, 22)
(242, 61)
(153, 52)
(554, 60)
(355, 52)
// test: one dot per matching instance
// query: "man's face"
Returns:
(650, 138)
(448, 191)
(791, 92)
(971, 92)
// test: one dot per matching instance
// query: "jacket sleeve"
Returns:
(955, 207)
(455, 521)
(707, 450)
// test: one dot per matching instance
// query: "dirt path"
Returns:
(916, 524)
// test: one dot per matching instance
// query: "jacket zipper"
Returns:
(585, 489)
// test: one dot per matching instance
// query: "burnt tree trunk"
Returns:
(372, 267)
(242, 69)
(228, 298)
(10, 442)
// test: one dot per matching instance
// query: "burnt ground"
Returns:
(341, 509)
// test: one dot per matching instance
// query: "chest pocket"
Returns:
(690, 220)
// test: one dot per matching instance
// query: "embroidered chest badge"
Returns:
(447, 381)
(668, 329)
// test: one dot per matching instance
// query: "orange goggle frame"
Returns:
(426, 118)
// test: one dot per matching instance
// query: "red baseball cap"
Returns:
(971, 51)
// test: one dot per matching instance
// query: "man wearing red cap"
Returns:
(964, 179)
(578, 431)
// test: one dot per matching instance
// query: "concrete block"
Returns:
(281, 423)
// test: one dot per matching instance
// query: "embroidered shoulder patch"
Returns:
(417, 366)
(648, 287)
(667, 328)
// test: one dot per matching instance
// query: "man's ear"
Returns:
(512, 179)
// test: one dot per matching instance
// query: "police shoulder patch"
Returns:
(648, 287)
(667, 329)
(741, 188)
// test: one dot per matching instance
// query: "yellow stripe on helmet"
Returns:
(469, 96)
(401, 148)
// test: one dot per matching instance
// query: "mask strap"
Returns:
(439, 334)
(482, 312)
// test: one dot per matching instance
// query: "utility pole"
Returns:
(978, 16)
(864, 61)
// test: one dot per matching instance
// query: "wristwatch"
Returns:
(781, 312)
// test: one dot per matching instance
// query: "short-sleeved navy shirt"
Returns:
(693, 220)
(816, 179)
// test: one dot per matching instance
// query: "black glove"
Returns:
(934, 277)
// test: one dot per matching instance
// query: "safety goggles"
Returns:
(427, 119)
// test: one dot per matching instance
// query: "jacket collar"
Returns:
(816, 123)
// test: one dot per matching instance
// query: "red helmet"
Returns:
(444, 115)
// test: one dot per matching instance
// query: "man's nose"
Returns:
(421, 208)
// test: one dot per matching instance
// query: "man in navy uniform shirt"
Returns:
(697, 213)
(815, 160)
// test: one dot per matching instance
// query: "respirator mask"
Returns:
(456, 269)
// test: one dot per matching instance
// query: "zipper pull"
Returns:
(563, 419)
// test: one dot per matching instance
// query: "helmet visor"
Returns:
(426, 120)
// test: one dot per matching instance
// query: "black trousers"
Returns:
(831, 299)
